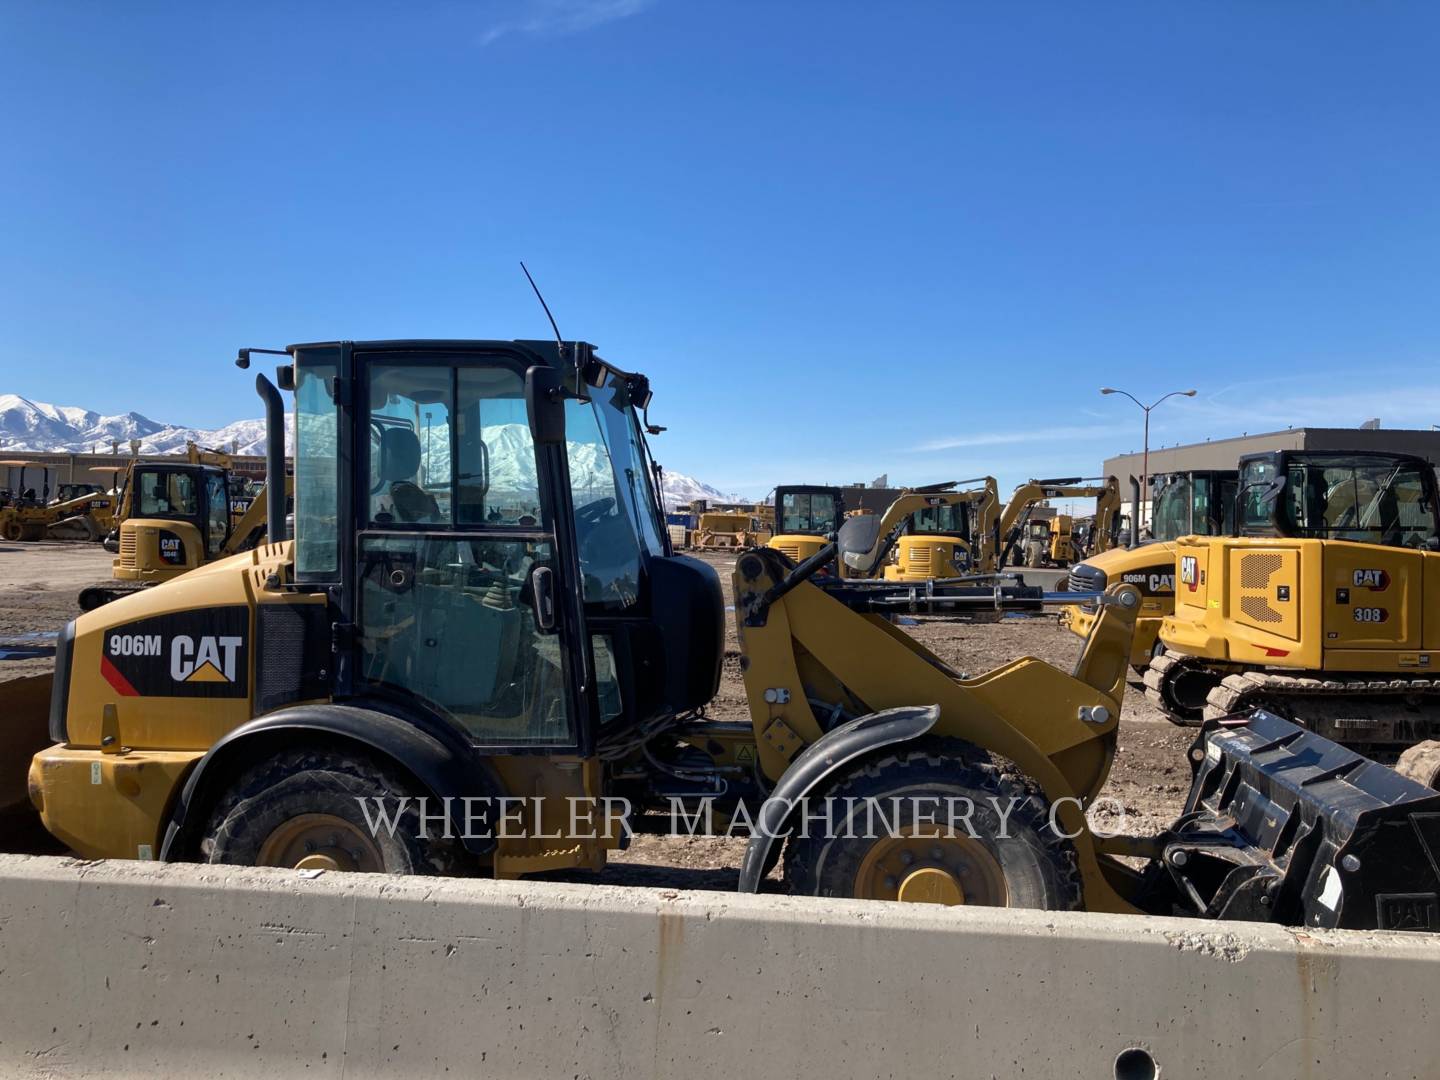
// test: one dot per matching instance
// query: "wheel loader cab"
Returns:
(508, 560)
(477, 592)
(177, 517)
(806, 517)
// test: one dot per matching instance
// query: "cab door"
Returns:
(465, 603)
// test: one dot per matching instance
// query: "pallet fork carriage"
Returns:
(428, 633)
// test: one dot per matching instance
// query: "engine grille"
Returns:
(1256, 570)
(1256, 607)
(127, 547)
(1085, 578)
(790, 550)
(918, 560)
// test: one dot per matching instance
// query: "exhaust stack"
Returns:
(1134, 513)
(274, 459)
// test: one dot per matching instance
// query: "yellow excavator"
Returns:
(940, 529)
(177, 513)
(75, 515)
(1322, 609)
(806, 518)
(1194, 503)
(1003, 545)
(417, 682)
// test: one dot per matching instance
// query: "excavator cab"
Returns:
(174, 517)
(806, 517)
(1364, 497)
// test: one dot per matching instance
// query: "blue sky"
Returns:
(844, 238)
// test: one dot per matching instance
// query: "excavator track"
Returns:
(1380, 718)
(1179, 686)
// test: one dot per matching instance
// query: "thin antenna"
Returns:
(558, 339)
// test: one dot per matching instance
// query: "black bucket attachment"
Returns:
(1283, 825)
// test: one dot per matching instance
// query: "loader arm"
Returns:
(811, 662)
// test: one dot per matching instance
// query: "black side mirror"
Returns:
(545, 404)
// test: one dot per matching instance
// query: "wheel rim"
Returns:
(320, 842)
(925, 866)
(11, 531)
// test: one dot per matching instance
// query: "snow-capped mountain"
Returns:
(35, 425)
(680, 488)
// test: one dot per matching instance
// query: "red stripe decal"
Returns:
(1276, 652)
(115, 679)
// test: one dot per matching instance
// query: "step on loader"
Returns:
(431, 678)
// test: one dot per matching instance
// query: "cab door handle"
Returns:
(542, 591)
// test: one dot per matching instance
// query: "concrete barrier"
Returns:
(158, 971)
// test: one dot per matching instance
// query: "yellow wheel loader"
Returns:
(430, 678)
(1325, 609)
(1197, 503)
(806, 517)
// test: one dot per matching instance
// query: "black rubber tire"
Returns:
(325, 780)
(1039, 864)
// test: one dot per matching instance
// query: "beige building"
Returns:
(98, 469)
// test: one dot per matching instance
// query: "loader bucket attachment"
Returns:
(24, 732)
(1283, 825)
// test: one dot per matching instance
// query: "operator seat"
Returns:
(399, 462)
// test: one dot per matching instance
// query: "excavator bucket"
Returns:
(1283, 825)
(24, 732)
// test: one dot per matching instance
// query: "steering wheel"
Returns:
(591, 513)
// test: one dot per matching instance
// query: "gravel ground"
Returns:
(39, 583)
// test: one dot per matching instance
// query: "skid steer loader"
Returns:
(75, 515)
(426, 650)
(1323, 608)
(1197, 503)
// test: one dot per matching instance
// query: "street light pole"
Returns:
(1145, 455)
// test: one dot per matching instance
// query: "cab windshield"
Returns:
(809, 513)
(951, 520)
(164, 493)
(1342, 497)
(617, 514)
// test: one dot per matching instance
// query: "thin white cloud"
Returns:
(1038, 434)
(549, 18)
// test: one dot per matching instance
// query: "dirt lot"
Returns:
(38, 584)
